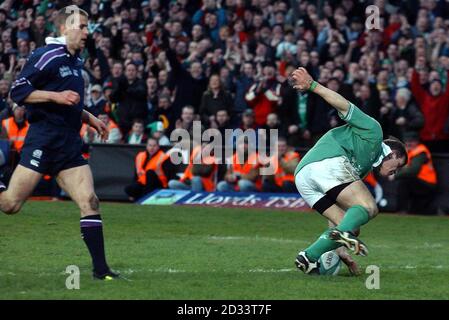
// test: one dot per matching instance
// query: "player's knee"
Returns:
(372, 209)
(12, 207)
(89, 203)
(94, 203)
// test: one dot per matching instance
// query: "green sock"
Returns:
(322, 245)
(355, 217)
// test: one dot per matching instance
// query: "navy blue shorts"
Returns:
(49, 149)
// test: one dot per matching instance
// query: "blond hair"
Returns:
(65, 13)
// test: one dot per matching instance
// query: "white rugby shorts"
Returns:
(316, 178)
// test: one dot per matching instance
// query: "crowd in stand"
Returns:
(156, 66)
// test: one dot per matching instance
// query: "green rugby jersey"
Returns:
(359, 140)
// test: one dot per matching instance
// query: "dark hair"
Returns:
(137, 120)
(222, 109)
(131, 63)
(154, 139)
(398, 147)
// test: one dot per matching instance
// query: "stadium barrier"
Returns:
(113, 169)
(290, 201)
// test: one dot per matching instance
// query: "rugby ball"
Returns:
(330, 264)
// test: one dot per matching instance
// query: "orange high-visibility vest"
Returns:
(208, 182)
(85, 127)
(143, 164)
(15, 134)
(251, 163)
(112, 125)
(427, 172)
(281, 176)
(371, 179)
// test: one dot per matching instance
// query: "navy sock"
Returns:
(92, 234)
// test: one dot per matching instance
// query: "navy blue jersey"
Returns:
(51, 68)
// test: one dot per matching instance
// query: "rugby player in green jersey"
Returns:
(329, 177)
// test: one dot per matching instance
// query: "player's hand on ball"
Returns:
(67, 97)
(300, 79)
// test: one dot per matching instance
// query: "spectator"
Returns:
(434, 105)
(243, 173)
(243, 83)
(222, 123)
(374, 187)
(97, 101)
(248, 120)
(214, 99)
(405, 116)
(152, 95)
(152, 166)
(367, 99)
(157, 132)
(165, 112)
(200, 174)
(15, 128)
(92, 136)
(264, 95)
(4, 91)
(38, 31)
(130, 94)
(273, 123)
(186, 120)
(137, 134)
(417, 180)
(189, 84)
(22, 30)
(285, 162)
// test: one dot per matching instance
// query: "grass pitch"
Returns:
(209, 253)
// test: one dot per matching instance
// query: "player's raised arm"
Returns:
(303, 81)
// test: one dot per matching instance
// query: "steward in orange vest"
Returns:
(152, 167)
(418, 179)
(90, 135)
(243, 174)
(15, 128)
(200, 173)
(374, 186)
(284, 162)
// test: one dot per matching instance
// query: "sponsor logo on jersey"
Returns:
(65, 71)
(37, 154)
(34, 163)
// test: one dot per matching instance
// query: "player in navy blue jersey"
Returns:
(51, 87)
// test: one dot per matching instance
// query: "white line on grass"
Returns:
(257, 238)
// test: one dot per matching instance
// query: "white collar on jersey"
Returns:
(58, 40)
(386, 150)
